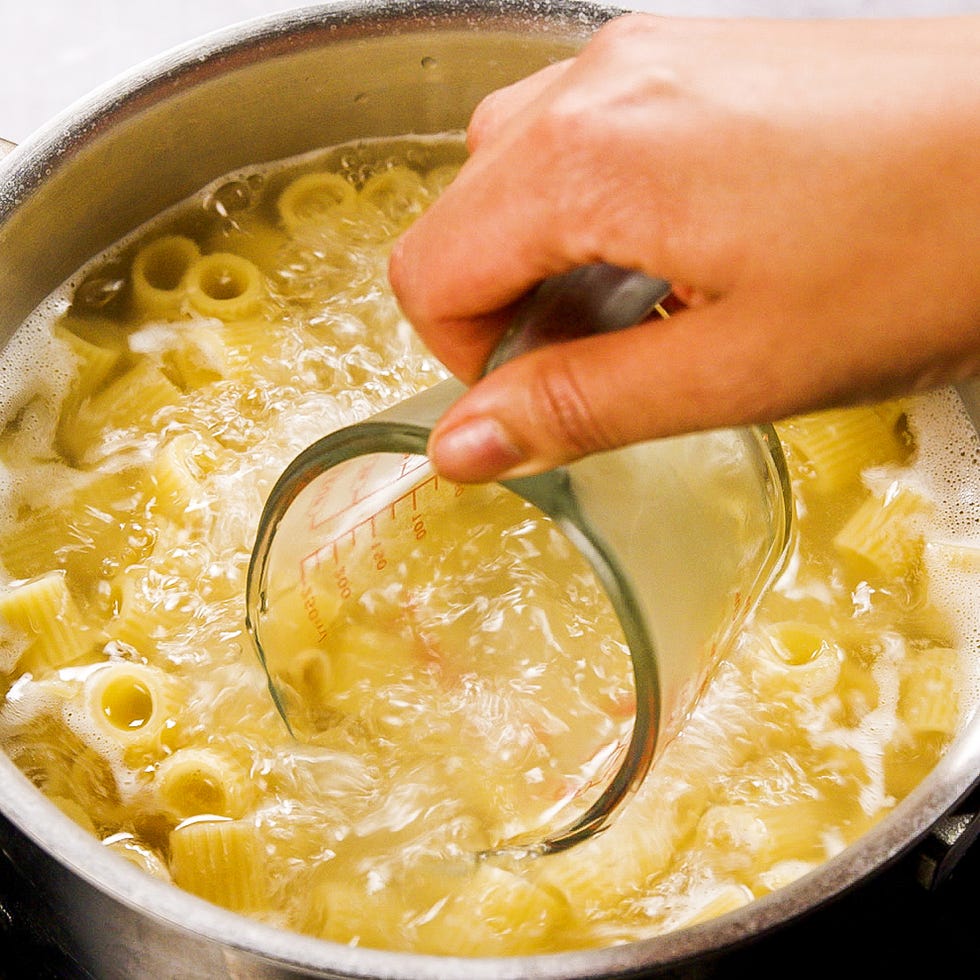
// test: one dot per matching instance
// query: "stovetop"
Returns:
(889, 925)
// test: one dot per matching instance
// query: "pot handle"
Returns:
(950, 838)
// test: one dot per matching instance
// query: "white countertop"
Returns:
(53, 52)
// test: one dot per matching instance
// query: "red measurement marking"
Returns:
(332, 548)
(410, 467)
(313, 560)
(313, 613)
(356, 494)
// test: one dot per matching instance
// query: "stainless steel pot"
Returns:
(267, 90)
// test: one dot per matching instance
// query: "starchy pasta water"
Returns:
(147, 409)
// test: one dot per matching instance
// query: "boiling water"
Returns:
(147, 415)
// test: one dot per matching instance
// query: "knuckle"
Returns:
(481, 121)
(564, 412)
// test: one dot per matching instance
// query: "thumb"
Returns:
(702, 368)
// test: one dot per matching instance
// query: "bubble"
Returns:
(98, 292)
(232, 197)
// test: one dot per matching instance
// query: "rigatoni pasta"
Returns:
(207, 781)
(129, 400)
(94, 364)
(398, 192)
(799, 657)
(220, 860)
(930, 691)
(133, 707)
(224, 285)
(491, 907)
(159, 274)
(313, 198)
(883, 537)
(44, 611)
(836, 445)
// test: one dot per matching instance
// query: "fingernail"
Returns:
(472, 451)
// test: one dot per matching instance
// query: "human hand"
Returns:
(811, 189)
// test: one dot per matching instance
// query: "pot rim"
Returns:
(40, 821)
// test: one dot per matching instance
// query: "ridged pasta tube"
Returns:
(202, 781)
(641, 846)
(130, 401)
(158, 275)
(150, 610)
(735, 832)
(98, 510)
(131, 706)
(858, 689)
(94, 364)
(176, 476)
(305, 681)
(801, 658)
(837, 444)
(748, 838)
(398, 193)
(246, 343)
(145, 858)
(313, 198)
(929, 699)
(224, 285)
(44, 610)
(345, 912)
(364, 674)
(219, 860)
(201, 358)
(882, 539)
(498, 911)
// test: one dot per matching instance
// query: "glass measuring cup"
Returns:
(682, 535)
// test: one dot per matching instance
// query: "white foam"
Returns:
(948, 468)
(34, 366)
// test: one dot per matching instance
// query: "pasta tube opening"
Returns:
(225, 286)
(158, 274)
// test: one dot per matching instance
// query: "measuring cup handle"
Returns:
(597, 298)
